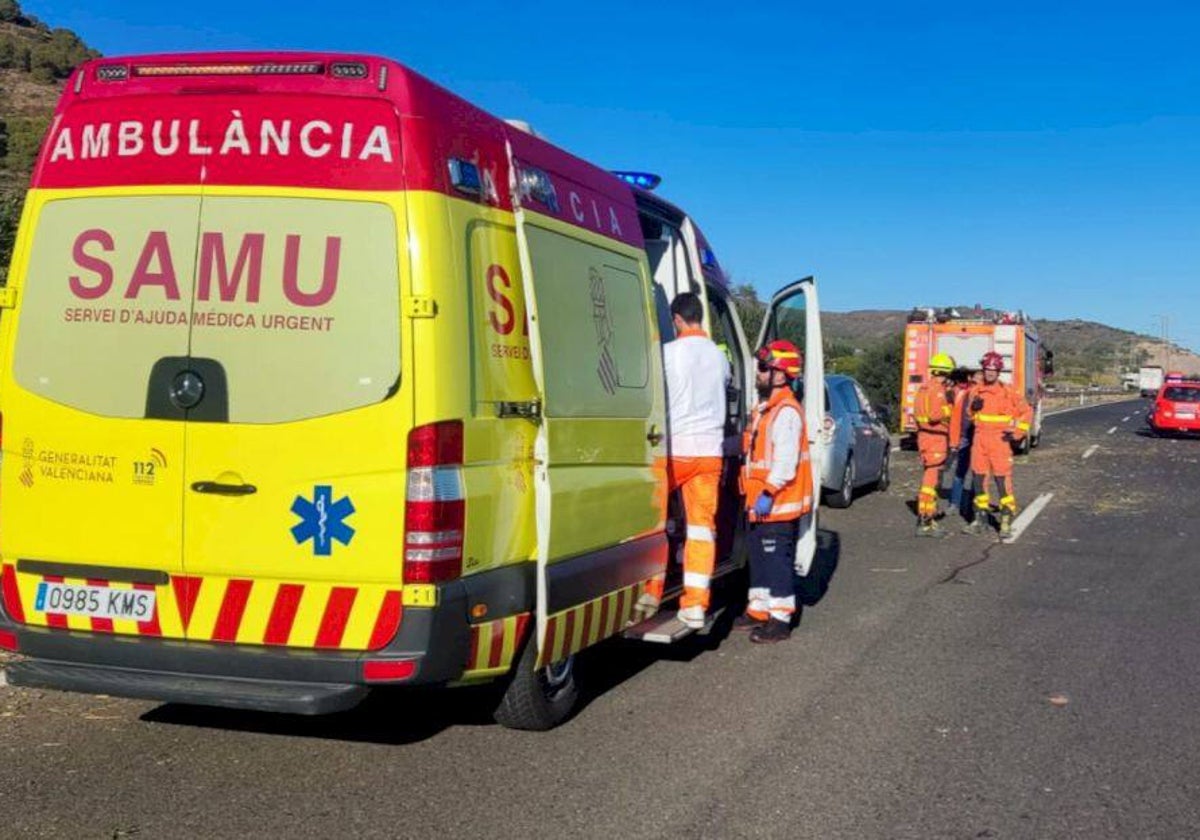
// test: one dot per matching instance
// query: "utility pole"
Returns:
(1165, 335)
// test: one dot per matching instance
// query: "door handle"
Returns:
(223, 489)
(654, 436)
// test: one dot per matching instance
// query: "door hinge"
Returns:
(420, 306)
(530, 410)
(8, 297)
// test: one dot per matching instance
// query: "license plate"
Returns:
(95, 601)
(1185, 415)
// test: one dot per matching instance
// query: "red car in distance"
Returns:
(1176, 408)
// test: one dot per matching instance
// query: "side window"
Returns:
(849, 397)
(726, 337)
(594, 327)
(668, 267)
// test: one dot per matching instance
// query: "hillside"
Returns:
(34, 61)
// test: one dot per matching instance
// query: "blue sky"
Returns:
(903, 153)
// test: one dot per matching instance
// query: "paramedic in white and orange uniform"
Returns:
(697, 374)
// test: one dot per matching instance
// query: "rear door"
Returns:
(92, 521)
(294, 481)
(600, 503)
(795, 314)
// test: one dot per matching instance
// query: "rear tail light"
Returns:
(8, 640)
(435, 508)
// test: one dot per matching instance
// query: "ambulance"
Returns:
(317, 377)
(965, 335)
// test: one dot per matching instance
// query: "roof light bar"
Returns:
(269, 68)
(642, 180)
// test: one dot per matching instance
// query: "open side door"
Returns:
(794, 314)
(599, 501)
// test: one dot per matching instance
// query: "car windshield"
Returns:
(1182, 394)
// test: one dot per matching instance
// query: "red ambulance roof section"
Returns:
(393, 129)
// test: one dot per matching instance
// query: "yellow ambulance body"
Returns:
(317, 377)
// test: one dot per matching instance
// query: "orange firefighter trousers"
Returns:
(699, 479)
(933, 448)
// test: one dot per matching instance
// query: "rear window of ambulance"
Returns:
(296, 298)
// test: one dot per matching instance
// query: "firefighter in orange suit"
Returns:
(1001, 417)
(777, 482)
(697, 374)
(936, 436)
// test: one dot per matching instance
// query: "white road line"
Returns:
(1027, 516)
(1113, 429)
(1091, 450)
(1124, 419)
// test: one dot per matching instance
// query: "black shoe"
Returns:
(747, 622)
(771, 632)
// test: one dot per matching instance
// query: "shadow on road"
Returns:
(398, 716)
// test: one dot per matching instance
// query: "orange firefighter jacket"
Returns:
(933, 410)
(795, 497)
(1003, 410)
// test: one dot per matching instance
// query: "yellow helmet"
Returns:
(941, 363)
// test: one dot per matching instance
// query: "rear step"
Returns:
(665, 628)
(256, 695)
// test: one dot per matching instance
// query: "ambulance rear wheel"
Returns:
(538, 699)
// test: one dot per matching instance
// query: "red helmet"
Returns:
(992, 361)
(781, 355)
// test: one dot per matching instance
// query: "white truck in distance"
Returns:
(1150, 379)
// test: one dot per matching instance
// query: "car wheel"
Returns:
(845, 495)
(538, 699)
(885, 473)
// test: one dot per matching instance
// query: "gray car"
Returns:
(857, 445)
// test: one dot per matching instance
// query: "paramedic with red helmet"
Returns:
(777, 483)
(1001, 416)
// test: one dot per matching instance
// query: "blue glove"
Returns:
(762, 507)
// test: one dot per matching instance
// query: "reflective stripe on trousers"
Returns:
(699, 480)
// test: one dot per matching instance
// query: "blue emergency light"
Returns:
(641, 180)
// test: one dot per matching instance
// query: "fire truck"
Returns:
(966, 335)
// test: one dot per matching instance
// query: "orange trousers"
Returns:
(934, 449)
(992, 455)
(699, 479)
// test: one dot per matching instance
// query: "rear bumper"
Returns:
(436, 641)
(1171, 425)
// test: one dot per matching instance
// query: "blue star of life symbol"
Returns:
(322, 520)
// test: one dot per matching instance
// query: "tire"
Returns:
(845, 495)
(538, 699)
(1023, 446)
(885, 473)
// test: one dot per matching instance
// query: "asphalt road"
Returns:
(962, 688)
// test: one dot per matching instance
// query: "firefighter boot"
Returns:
(977, 524)
(1006, 519)
(929, 527)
